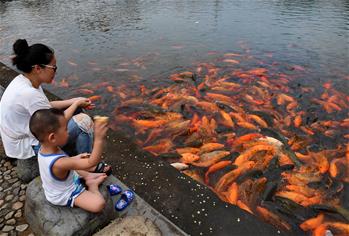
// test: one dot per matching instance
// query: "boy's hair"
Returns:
(44, 122)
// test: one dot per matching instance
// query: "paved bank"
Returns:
(12, 199)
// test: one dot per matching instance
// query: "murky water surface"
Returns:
(259, 84)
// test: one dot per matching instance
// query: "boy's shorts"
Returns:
(78, 190)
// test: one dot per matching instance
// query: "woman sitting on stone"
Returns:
(24, 95)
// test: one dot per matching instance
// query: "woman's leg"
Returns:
(78, 141)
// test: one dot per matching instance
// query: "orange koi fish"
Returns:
(246, 155)
(247, 125)
(209, 147)
(226, 119)
(85, 91)
(188, 158)
(297, 121)
(162, 147)
(218, 97)
(258, 71)
(208, 106)
(258, 120)
(272, 218)
(64, 84)
(215, 167)
(210, 158)
(233, 193)
(320, 230)
(232, 61)
(312, 223)
(187, 150)
(94, 98)
(231, 176)
(246, 138)
(110, 89)
(243, 206)
(72, 63)
(231, 55)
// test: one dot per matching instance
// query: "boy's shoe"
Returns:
(126, 198)
(114, 189)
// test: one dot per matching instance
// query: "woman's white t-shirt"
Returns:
(19, 101)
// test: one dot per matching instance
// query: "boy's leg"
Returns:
(92, 200)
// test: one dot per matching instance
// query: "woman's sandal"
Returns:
(100, 168)
(126, 198)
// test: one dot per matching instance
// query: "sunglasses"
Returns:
(52, 67)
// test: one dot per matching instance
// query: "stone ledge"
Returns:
(47, 219)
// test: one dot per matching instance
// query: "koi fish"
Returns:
(72, 63)
(188, 158)
(232, 61)
(215, 167)
(312, 223)
(180, 166)
(210, 158)
(95, 98)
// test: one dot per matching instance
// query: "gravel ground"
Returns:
(12, 199)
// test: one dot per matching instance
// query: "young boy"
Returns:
(60, 174)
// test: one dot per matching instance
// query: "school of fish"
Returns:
(258, 138)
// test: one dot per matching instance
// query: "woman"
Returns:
(24, 95)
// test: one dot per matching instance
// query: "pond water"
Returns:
(115, 41)
(220, 73)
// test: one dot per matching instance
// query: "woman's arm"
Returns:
(70, 105)
(62, 104)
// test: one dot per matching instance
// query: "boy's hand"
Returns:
(82, 156)
(100, 130)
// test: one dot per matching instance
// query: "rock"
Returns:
(22, 198)
(47, 219)
(21, 228)
(1, 189)
(16, 191)
(4, 206)
(7, 172)
(9, 198)
(9, 215)
(7, 228)
(7, 177)
(17, 184)
(15, 199)
(131, 225)
(1, 202)
(18, 214)
(17, 205)
(11, 222)
(22, 192)
(11, 181)
(27, 169)
(23, 186)
(3, 234)
(8, 164)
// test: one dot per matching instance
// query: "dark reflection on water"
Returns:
(115, 41)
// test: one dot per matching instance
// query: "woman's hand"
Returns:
(82, 102)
